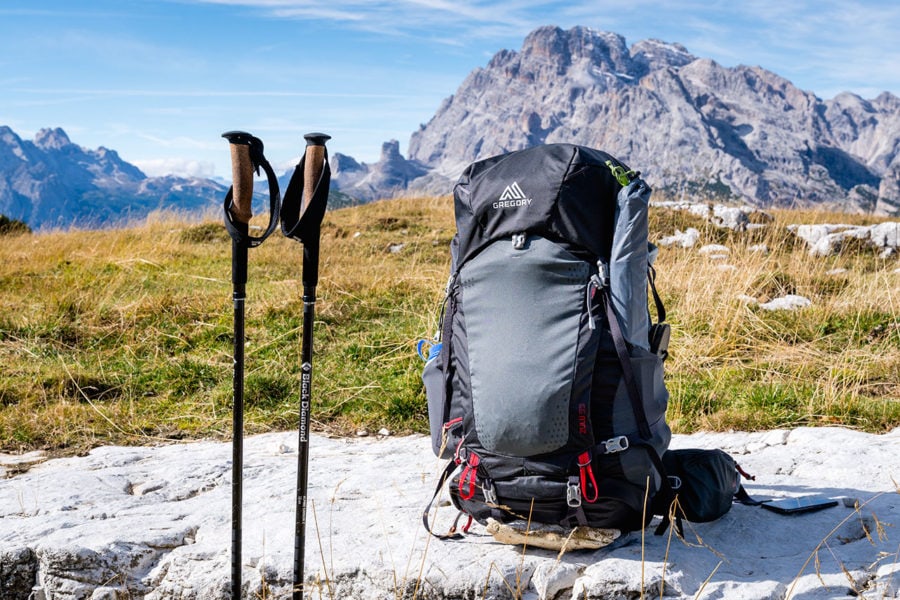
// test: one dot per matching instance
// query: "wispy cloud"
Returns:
(94, 93)
(443, 21)
(185, 167)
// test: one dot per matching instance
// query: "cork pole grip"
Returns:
(242, 178)
(315, 162)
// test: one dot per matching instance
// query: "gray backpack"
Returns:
(545, 383)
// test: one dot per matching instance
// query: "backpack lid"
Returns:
(559, 191)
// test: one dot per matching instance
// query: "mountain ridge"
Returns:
(691, 125)
(695, 129)
(51, 182)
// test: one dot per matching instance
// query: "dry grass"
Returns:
(124, 336)
(735, 365)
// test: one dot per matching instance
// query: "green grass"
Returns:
(125, 336)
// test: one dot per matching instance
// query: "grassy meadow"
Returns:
(125, 336)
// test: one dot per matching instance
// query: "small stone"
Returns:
(685, 239)
(789, 302)
(714, 250)
(361, 433)
(384, 431)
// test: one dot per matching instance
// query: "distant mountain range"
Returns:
(696, 129)
(51, 182)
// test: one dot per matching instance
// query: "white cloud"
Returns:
(184, 167)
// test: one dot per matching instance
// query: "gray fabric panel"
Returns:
(629, 260)
(648, 371)
(523, 309)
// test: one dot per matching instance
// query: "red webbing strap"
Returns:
(469, 478)
(586, 473)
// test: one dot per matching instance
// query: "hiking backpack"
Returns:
(545, 381)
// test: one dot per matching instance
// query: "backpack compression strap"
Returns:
(445, 475)
(634, 394)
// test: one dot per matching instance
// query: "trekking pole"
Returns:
(304, 206)
(246, 156)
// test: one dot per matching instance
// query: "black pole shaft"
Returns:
(310, 264)
(239, 279)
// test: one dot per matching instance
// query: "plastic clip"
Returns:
(573, 493)
(490, 493)
(616, 444)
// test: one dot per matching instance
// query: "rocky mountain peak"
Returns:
(53, 182)
(390, 151)
(577, 45)
(51, 139)
(656, 54)
(693, 126)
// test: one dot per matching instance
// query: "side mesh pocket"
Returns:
(436, 396)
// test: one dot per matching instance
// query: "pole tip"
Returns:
(316, 139)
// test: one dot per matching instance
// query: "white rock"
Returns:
(22, 461)
(71, 526)
(736, 218)
(549, 578)
(282, 448)
(759, 248)
(744, 298)
(714, 249)
(789, 302)
(730, 217)
(886, 235)
(825, 239)
(686, 239)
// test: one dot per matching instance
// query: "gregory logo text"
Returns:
(512, 196)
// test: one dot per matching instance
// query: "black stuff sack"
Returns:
(705, 483)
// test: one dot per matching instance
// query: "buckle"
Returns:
(490, 494)
(573, 494)
(616, 444)
(601, 279)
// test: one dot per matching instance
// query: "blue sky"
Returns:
(160, 80)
